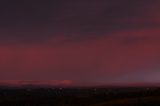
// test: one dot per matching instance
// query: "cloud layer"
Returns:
(80, 41)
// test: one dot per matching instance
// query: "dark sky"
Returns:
(80, 41)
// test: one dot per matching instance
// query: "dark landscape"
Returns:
(79, 96)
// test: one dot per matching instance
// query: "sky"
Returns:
(79, 42)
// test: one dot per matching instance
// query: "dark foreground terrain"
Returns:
(130, 96)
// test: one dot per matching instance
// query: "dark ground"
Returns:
(131, 96)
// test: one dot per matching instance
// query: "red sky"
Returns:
(104, 42)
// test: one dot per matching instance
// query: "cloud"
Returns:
(84, 61)
(36, 82)
(76, 20)
(81, 41)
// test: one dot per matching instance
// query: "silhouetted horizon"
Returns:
(51, 83)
